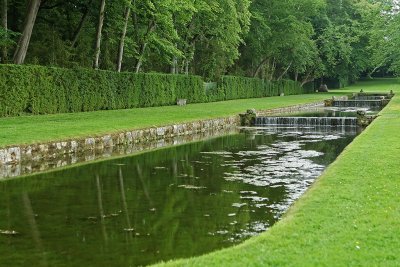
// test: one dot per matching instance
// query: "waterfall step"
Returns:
(306, 121)
(368, 97)
(358, 103)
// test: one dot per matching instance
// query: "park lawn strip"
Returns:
(349, 217)
(47, 128)
(380, 85)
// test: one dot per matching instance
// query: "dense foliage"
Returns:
(48, 90)
(300, 40)
(42, 90)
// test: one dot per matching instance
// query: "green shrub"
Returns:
(241, 87)
(44, 90)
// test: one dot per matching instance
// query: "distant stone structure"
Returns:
(323, 88)
(181, 102)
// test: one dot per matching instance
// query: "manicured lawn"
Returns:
(376, 85)
(349, 217)
(33, 129)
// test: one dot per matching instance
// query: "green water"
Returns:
(172, 203)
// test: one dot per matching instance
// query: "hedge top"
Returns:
(43, 90)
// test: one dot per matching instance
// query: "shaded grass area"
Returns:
(349, 217)
(32, 129)
(46, 128)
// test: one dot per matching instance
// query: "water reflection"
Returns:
(177, 202)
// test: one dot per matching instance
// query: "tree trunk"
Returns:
(135, 21)
(140, 60)
(187, 67)
(259, 67)
(376, 68)
(174, 67)
(98, 35)
(150, 28)
(80, 25)
(4, 52)
(122, 40)
(284, 72)
(273, 68)
(307, 79)
(23, 43)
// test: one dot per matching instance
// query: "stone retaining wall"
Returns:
(21, 160)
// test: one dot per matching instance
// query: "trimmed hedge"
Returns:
(43, 90)
(241, 87)
(46, 90)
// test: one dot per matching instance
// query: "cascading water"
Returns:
(306, 121)
(358, 103)
(368, 97)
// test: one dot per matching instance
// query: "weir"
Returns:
(358, 103)
(306, 121)
(368, 97)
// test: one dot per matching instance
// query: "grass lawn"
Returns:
(349, 217)
(34, 129)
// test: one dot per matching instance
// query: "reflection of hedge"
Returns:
(43, 90)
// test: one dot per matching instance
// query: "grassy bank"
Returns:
(33, 129)
(349, 217)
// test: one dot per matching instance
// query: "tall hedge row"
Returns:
(240, 87)
(44, 90)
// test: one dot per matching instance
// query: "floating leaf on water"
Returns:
(193, 187)
(255, 198)
(8, 232)
(152, 209)
(248, 192)
(227, 191)
(206, 215)
(222, 232)
(111, 215)
(160, 168)
(217, 152)
(238, 205)
(231, 214)
(129, 229)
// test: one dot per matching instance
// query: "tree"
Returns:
(23, 44)
(97, 48)
(293, 39)
(281, 40)
(123, 34)
(5, 29)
